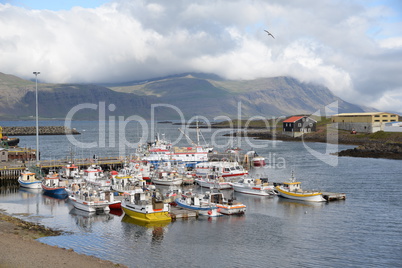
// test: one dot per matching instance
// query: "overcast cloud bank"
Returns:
(353, 49)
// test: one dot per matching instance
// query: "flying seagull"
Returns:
(270, 34)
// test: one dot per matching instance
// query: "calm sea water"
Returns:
(365, 230)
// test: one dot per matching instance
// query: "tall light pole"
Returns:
(37, 121)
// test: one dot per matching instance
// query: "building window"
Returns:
(311, 124)
(392, 120)
(376, 120)
(392, 115)
(376, 116)
(299, 125)
(385, 120)
(384, 115)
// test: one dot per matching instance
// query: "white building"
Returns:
(393, 127)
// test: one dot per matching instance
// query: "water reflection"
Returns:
(53, 201)
(85, 220)
(116, 211)
(155, 230)
(8, 186)
(28, 193)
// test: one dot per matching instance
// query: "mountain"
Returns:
(190, 94)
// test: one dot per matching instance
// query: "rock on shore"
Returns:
(375, 150)
(43, 130)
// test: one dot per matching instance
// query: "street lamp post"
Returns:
(37, 122)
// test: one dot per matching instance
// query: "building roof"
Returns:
(361, 114)
(293, 119)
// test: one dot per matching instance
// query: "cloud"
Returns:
(353, 49)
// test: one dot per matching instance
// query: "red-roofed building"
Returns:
(297, 125)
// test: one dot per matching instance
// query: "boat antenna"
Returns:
(198, 132)
(292, 178)
(188, 138)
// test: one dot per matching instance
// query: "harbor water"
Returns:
(362, 231)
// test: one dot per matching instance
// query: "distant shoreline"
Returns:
(43, 130)
(380, 145)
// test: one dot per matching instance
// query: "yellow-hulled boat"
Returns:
(292, 190)
(157, 224)
(146, 206)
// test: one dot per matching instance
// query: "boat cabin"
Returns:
(30, 176)
(292, 186)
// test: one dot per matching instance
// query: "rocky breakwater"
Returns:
(375, 150)
(43, 130)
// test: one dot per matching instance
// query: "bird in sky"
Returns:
(270, 34)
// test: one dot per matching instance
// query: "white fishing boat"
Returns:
(293, 190)
(53, 184)
(89, 200)
(95, 177)
(225, 169)
(167, 178)
(198, 202)
(69, 172)
(226, 206)
(146, 206)
(213, 182)
(28, 179)
(253, 186)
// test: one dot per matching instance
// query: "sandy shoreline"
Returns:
(19, 249)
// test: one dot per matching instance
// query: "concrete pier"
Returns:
(329, 196)
(181, 213)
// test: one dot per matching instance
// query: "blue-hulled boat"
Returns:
(52, 184)
(198, 202)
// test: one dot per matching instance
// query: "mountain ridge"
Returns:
(190, 93)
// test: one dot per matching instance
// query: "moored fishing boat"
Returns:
(225, 206)
(251, 185)
(89, 200)
(292, 190)
(28, 179)
(146, 206)
(52, 184)
(198, 202)
(213, 182)
(225, 169)
(167, 178)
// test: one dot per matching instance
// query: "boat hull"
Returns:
(252, 190)
(30, 184)
(304, 196)
(210, 211)
(89, 206)
(157, 216)
(213, 184)
(168, 182)
(54, 190)
(115, 205)
(236, 209)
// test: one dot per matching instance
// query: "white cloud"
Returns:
(346, 46)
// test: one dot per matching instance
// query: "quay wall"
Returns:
(43, 130)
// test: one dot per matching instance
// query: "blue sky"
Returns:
(354, 47)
